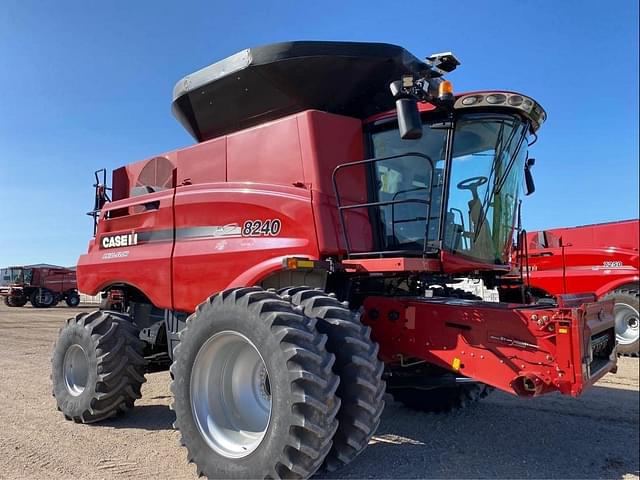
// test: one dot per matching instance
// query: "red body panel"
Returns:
(591, 258)
(58, 280)
(218, 259)
(193, 228)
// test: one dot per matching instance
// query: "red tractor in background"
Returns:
(294, 264)
(42, 286)
(601, 258)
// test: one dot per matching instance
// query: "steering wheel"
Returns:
(472, 183)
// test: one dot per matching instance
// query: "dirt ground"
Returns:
(595, 436)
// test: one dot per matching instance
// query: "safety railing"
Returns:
(381, 244)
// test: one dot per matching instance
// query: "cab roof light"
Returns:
(445, 90)
(516, 101)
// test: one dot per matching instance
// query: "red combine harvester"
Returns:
(293, 265)
(601, 258)
(42, 286)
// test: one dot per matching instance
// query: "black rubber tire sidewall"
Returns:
(37, 304)
(72, 300)
(235, 319)
(74, 406)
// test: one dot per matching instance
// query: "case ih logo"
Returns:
(117, 241)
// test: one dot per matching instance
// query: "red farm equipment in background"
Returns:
(295, 263)
(43, 286)
(601, 258)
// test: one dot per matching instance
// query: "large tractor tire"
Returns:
(254, 393)
(18, 301)
(625, 312)
(361, 386)
(72, 300)
(441, 400)
(97, 366)
(42, 298)
(10, 301)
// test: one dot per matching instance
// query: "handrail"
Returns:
(393, 202)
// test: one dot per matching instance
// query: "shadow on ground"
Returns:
(144, 417)
(595, 436)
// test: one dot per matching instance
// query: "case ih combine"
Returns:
(292, 265)
(601, 258)
(42, 286)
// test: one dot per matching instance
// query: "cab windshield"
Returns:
(16, 275)
(20, 276)
(487, 161)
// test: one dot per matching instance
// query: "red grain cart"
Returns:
(292, 266)
(601, 258)
(42, 286)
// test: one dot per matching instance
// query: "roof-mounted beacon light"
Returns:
(445, 91)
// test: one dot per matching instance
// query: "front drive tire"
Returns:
(254, 394)
(97, 366)
(361, 386)
(15, 301)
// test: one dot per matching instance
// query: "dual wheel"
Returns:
(270, 385)
(265, 384)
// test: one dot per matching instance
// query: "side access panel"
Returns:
(133, 246)
(234, 234)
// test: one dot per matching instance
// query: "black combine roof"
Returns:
(264, 83)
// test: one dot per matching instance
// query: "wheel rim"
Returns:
(75, 368)
(45, 297)
(230, 394)
(627, 323)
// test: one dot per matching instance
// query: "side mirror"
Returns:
(409, 121)
(528, 176)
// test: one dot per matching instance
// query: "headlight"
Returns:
(529, 107)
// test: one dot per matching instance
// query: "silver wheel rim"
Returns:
(75, 368)
(230, 394)
(627, 323)
(45, 297)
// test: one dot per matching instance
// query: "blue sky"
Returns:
(85, 85)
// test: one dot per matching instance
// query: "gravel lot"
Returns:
(595, 436)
